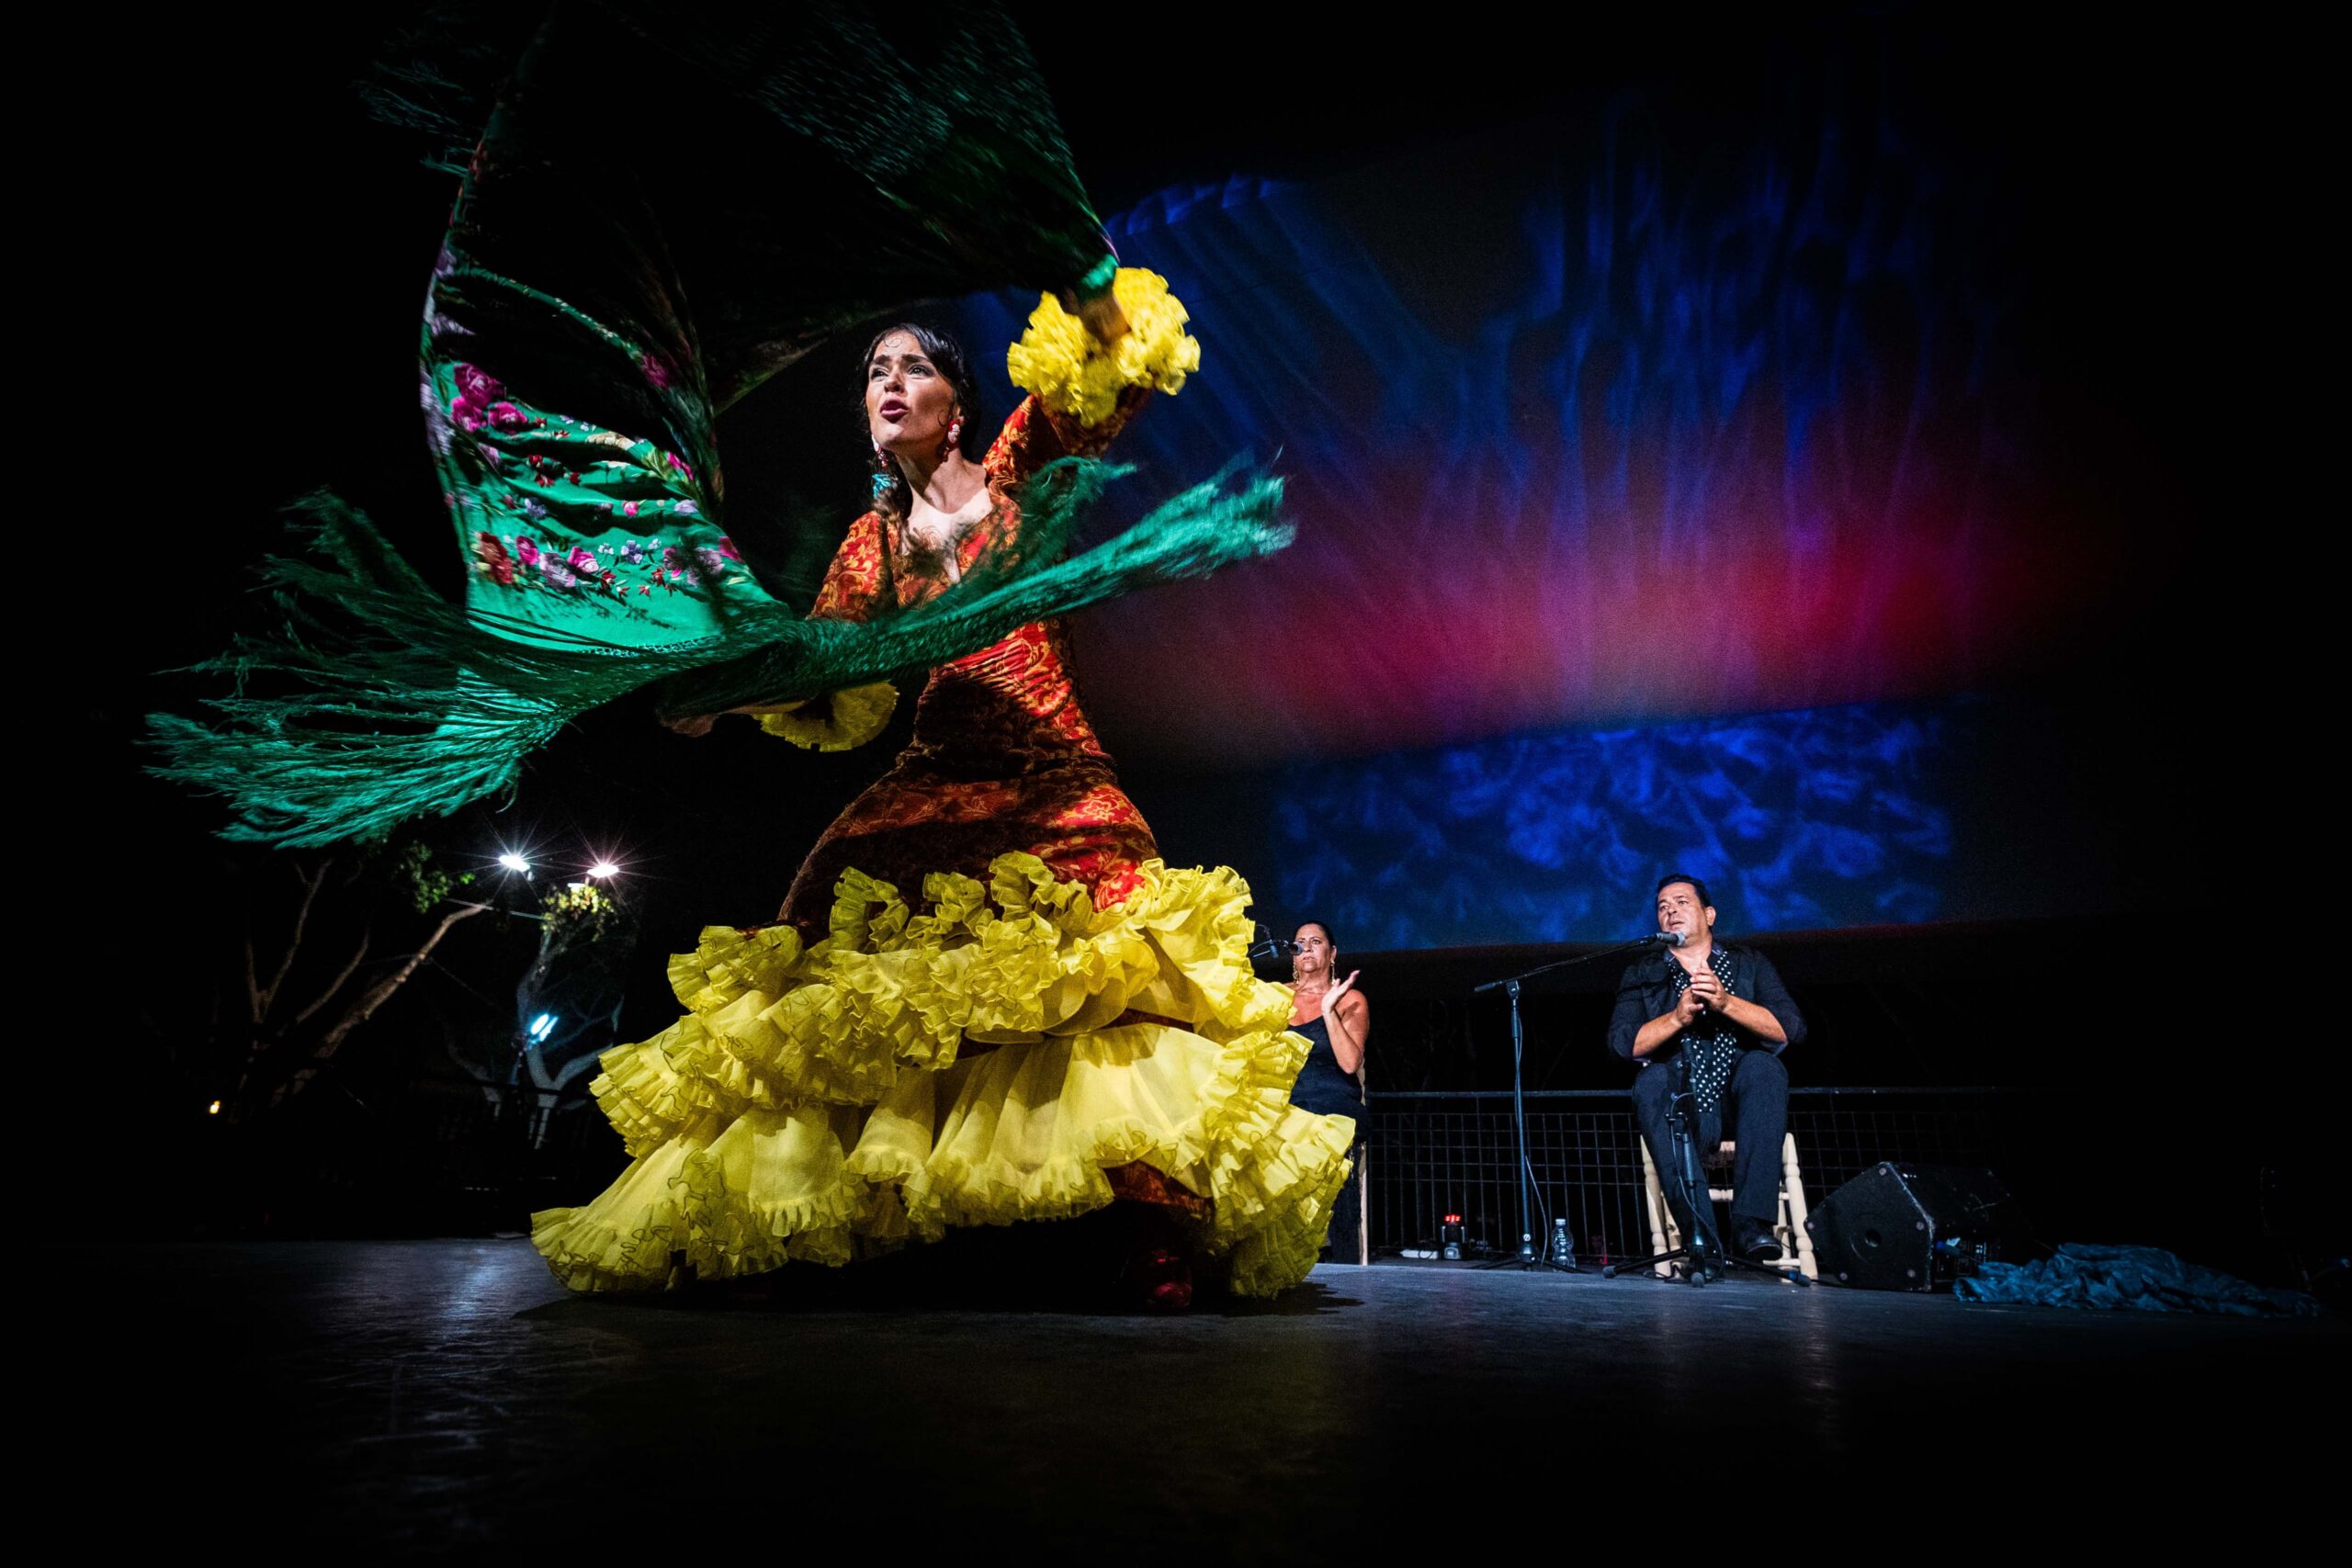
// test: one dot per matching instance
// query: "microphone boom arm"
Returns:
(1638, 943)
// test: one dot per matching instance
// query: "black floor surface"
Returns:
(397, 1396)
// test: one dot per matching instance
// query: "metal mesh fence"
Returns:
(1431, 1155)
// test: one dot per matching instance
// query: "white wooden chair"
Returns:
(1796, 1242)
(1361, 1243)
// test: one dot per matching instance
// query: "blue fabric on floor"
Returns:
(2133, 1279)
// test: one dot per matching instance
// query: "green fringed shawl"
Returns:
(659, 217)
(402, 706)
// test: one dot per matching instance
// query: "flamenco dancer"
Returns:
(987, 1002)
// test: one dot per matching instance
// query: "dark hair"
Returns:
(1707, 900)
(944, 352)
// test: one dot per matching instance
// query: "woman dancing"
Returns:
(986, 1001)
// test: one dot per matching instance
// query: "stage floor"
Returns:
(413, 1395)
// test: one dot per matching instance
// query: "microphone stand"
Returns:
(1527, 1257)
(1702, 1252)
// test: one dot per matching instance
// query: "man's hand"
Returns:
(1708, 990)
(1654, 1035)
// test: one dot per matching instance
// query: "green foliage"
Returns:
(404, 868)
(581, 912)
(426, 882)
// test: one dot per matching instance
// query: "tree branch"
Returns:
(358, 956)
(311, 885)
(381, 991)
(252, 978)
(361, 1011)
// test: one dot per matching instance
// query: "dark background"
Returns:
(249, 284)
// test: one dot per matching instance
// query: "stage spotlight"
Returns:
(1450, 1237)
(603, 868)
(514, 861)
(541, 1027)
(213, 1110)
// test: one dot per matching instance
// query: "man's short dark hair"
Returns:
(1705, 900)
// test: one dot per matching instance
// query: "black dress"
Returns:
(1325, 1089)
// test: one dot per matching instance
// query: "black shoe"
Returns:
(1754, 1240)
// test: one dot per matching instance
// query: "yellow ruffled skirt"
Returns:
(820, 1103)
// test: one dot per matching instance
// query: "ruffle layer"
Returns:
(1078, 377)
(814, 1104)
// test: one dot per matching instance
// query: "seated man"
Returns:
(1726, 1008)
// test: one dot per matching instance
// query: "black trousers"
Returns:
(1754, 1105)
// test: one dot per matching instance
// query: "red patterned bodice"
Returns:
(1002, 757)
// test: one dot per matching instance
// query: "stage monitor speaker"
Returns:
(1914, 1227)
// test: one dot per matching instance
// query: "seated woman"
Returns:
(1337, 1022)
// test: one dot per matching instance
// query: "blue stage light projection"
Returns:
(1588, 438)
(1585, 448)
(1831, 817)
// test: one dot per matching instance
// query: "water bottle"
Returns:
(1561, 1252)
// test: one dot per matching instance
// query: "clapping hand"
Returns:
(1708, 990)
(1689, 1006)
(1332, 995)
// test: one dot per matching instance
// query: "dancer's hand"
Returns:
(1099, 311)
(694, 724)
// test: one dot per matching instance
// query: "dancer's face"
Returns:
(908, 403)
(1313, 950)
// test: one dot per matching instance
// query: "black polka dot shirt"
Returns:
(1651, 985)
(1712, 1042)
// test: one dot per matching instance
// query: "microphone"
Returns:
(1272, 946)
(1665, 939)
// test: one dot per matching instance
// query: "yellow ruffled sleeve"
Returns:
(1077, 377)
(839, 722)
